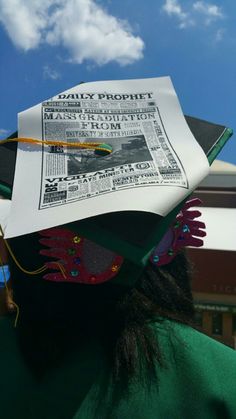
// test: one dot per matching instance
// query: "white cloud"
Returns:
(174, 8)
(210, 11)
(194, 14)
(219, 34)
(4, 132)
(24, 21)
(84, 28)
(49, 73)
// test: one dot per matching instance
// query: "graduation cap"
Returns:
(130, 234)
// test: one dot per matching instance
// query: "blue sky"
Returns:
(47, 46)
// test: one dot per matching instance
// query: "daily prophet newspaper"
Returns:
(154, 164)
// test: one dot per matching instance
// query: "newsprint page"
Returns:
(155, 161)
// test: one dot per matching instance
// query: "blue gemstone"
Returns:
(156, 259)
(185, 228)
(77, 261)
(74, 273)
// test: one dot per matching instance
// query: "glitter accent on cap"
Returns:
(96, 263)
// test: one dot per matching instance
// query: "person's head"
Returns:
(56, 317)
(81, 290)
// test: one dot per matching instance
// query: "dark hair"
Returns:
(161, 293)
(56, 317)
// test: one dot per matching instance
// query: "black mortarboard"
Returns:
(130, 233)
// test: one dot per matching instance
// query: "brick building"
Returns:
(214, 278)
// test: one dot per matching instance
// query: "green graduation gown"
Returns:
(198, 382)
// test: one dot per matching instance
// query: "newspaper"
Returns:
(141, 151)
(152, 165)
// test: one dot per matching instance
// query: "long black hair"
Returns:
(56, 317)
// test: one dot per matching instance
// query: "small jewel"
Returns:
(177, 224)
(185, 228)
(92, 278)
(156, 259)
(76, 239)
(114, 268)
(74, 273)
(77, 261)
(170, 252)
(71, 251)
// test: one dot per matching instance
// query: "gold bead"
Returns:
(115, 268)
(76, 239)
